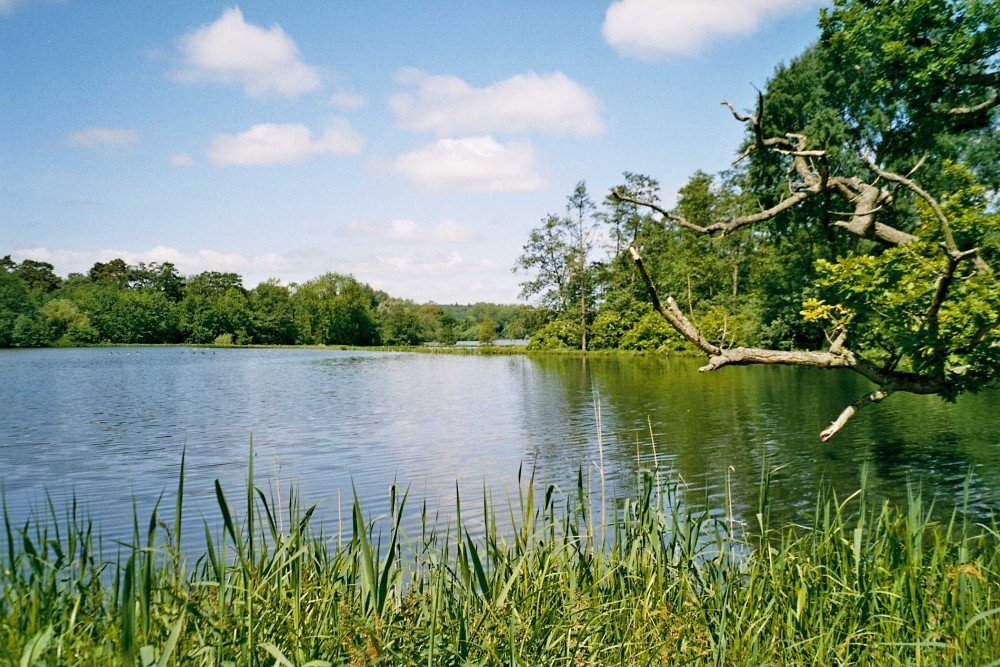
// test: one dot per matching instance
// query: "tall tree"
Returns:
(557, 255)
(40, 277)
(583, 228)
(335, 309)
(547, 257)
(15, 302)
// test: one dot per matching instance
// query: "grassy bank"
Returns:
(652, 585)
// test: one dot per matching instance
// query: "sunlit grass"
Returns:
(657, 583)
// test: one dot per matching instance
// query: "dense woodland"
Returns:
(153, 304)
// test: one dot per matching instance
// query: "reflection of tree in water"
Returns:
(719, 431)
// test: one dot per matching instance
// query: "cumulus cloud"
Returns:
(181, 160)
(408, 231)
(433, 275)
(96, 135)
(289, 143)
(450, 264)
(647, 29)
(471, 164)
(451, 231)
(232, 51)
(551, 103)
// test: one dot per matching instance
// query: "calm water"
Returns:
(108, 426)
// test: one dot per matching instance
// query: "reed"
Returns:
(657, 582)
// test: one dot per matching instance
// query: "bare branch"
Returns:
(722, 228)
(978, 108)
(752, 119)
(866, 201)
(876, 396)
(943, 282)
(949, 239)
(672, 313)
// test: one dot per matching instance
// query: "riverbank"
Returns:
(654, 584)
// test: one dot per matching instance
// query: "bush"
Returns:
(556, 335)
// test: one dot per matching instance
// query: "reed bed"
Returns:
(655, 582)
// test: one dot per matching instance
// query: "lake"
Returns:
(108, 426)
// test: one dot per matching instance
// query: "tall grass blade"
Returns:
(36, 647)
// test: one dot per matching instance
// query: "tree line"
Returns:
(119, 303)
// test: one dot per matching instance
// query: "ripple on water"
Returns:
(108, 426)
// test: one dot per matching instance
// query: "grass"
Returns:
(657, 583)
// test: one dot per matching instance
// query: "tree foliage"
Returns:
(119, 303)
(557, 258)
(856, 230)
(862, 161)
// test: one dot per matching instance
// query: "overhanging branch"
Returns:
(876, 396)
(837, 357)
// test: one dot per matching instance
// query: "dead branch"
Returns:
(949, 239)
(876, 396)
(977, 108)
(721, 228)
(812, 169)
(865, 201)
(839, 356)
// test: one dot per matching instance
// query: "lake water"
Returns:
(108, 425)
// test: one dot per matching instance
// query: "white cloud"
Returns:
(270, 143)
(550, 103)
(181, 160)
(451, 231)
(408, 231)
(449, 264)
(96, 135)
(472, 164)
(431, 275)
(348, 101)
(232, 51)
(647, 29)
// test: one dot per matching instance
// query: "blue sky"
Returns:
(411, 144)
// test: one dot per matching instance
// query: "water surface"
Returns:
(108, 425)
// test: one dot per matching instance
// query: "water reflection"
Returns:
(108, 426)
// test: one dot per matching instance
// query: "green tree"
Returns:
(336, 309)
(908, 297)
(31, 331)
(400, 323)
(487, 332)
(39, 277)
(128, 316)
(116, 272)
(917, 78)
(558, 258)
(68, 325)
(547, 256)
(15, 301)
(215, 304)
(448, 332)
(160, 277)
(272, 315)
